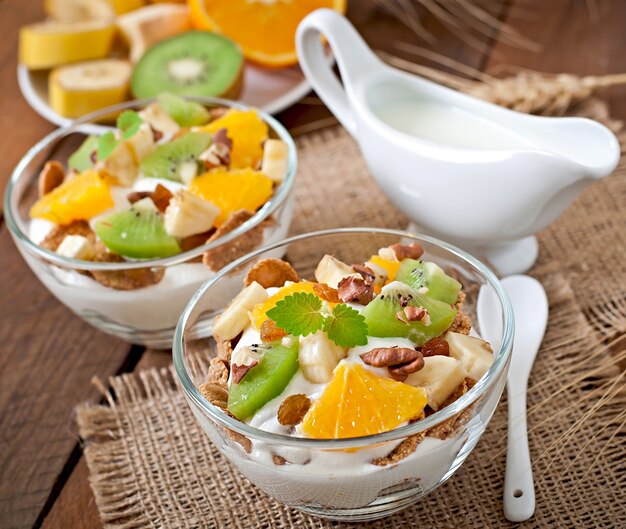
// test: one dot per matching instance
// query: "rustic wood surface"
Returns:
(48, 356)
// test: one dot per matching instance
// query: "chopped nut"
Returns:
(353, 288)
(51, 176)
(271, 273)
(156, 134)
(366, 272)
(218, 372)
(410, 313)
(278, 460)
(435, 347)
(218, 153)
(58, 233)
(327, 293)
(293, 409)
(240, 371)
(270, 333)
(160, 196)
(461, 324)
(222, 255)
(399, 361)
(407, 251)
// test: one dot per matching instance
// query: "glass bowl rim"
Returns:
(85, 123)
(217, 414)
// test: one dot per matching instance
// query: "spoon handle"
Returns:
(519, 489)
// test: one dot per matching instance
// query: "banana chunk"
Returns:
(474, 354)
(275, 160)
(331, 271)
(188, 214)
(76, 247)
(318, 356)
(440, 376)
(235, 318)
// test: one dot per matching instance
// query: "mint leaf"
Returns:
(346, 327)
(298, 314)
(128, 122)
(106, 144)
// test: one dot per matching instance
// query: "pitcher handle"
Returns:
(353, 57)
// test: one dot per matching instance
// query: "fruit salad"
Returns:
(170, 178)
(360, 349)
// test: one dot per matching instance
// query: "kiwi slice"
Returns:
(424, 274)
(81, 160)
(171, 159)
(185, 113)
(382, 321)
(264, 381)
(137, 232)
(195, 63)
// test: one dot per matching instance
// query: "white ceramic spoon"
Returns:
(530, 307)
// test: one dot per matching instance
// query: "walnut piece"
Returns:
(357, 289)
(240, 371)
(407, 251)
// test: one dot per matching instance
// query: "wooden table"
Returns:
(48, 356)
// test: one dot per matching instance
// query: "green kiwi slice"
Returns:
(170, 160)
(382, 320)
(195, 63)
(185, 113)
(81, 159)
(424, 274)
(138, 233)
(264, 381)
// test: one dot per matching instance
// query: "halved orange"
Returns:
(265, 29)
(357, 402)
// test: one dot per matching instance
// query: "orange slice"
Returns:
(390, 266)
(265, 30)
(259, 312)
(357, 402)
(247, 131)
(79, 198)
(232, 190)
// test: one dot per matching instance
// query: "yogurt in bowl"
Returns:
(353, 383)
(124, 224)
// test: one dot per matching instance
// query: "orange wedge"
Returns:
(232, 190)
(391, 267)
(259, 312)
(79, 198)
(356, 402)
(265, 30)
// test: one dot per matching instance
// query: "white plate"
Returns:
(267, 89)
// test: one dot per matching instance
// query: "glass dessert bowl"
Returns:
(123, 224)
(351, 391)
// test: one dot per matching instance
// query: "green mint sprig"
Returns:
(301, 314)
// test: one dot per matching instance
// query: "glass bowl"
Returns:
(336, 479)
(145, 315)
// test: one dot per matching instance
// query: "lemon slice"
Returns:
(77, 89)
(51, 44)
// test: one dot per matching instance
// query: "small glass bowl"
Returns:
(145, 315)
(335, 479)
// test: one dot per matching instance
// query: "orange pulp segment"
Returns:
(247, 131)
(259, 312)
(79, 198)
(265, 30)
(390, 266)
(357, 402)
(232, 190)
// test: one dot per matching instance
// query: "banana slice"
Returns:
(331, 270)
(76, 247)
(235, 318)
(120, 166)
(318, 356)
(275, 160)
(82, 10)
(51, 44)
(188, 214)
(474, 354)
(147, 26)
(440, 376)
(78, 89)
(158, 119)
(142, 142)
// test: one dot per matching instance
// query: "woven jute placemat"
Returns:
(152, 466)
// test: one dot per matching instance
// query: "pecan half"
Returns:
(353, 288)
(51, 176)
(410, 313)
(399, 361)
(293, 409)
(407, 251)
(436, 347)
(240, 371)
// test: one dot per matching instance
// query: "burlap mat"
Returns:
(152, 466)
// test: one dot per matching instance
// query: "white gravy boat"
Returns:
(481, 176)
